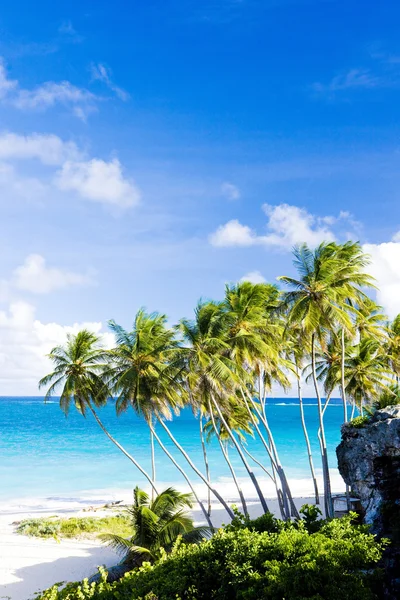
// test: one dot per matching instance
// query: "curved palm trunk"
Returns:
(284, 507)
(182, 471)
(343, 387)
(253, 458)
(290, 510)
(324, 454)
(225, 454)
(307, 439)
(114, 441)
(203, 445)
(353, 410)
(242, 456)
(153, 463)
(196, 470)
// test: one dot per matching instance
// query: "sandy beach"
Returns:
(28, 565)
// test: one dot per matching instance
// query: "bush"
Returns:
(337, 562)
(74, 526)
(359, 422)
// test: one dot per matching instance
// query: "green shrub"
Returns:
(338, 562)
(359, 422)
(74, 526)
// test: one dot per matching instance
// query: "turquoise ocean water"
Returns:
(45, 455)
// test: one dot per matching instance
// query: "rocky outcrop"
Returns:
(369, 461)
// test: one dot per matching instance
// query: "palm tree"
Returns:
(213, 376)
(156, 526)
(297, 350)
(238, 420)
(393, 346)
(79, 370)
(367, 373)
(317, 303)
(254, 335)
(146, 376)
(350, 278)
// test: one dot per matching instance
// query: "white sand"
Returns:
(28, 565)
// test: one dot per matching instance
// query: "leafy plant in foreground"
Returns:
(337, 562)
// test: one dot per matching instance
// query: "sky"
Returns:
(151, 152)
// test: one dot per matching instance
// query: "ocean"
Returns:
(48, 458)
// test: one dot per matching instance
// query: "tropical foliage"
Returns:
(224, 363)
(155, 526)
(251, 560)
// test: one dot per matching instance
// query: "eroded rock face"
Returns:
(369, 461)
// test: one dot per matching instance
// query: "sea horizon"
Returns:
(53, 462)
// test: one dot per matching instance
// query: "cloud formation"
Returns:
(36, 277)
(253, 277)
(92, 179)
(102, 73)
(79, 100)
(99, 181)
(385, 267)
(24, 343)
(286, 226)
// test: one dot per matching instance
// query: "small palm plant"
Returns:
(156, 526)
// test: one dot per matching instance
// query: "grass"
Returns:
(75, 527)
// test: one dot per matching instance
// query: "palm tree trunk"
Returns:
(285, 512)
(242, 456)
(114, 441)
(353, 410)
(343, 387)
(196, 470)
(181, 470)
(253, 458)
(153, 463)
(203, 445)
(324, 454)
(290, 507)
(225, 454)
(307, 439)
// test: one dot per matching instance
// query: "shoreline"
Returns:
(28, 565)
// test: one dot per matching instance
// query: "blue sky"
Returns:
(151, 152)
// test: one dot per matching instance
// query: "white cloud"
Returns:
(102, 73)
(233, 233)
(81, 101)
(290, 225)
(93, 179)
(355, 78)
(396, 237)
(36, 277)
(99, 181)
(50, 93)
(253, 277)
(24, 343)
(230, 191)
(385, 267)
(48, 149)
(287, 225)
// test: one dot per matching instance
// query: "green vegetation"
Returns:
(154, 526)
(252, 560)
(74, 527)
(359, 422)
(224, 362)
(223, 365)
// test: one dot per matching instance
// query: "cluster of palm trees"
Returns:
(322, 327)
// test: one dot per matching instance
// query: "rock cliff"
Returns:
(369, 461)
